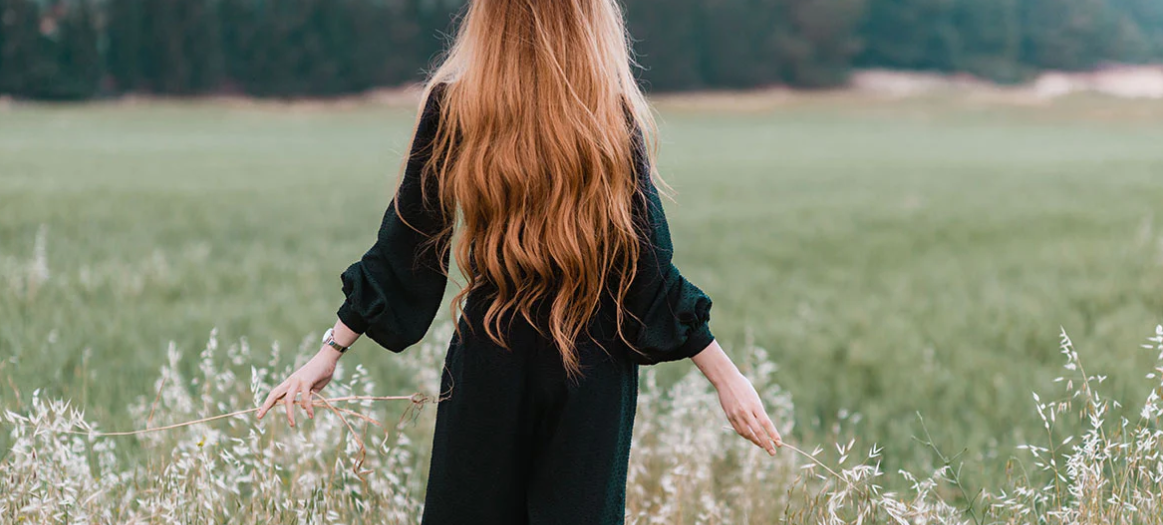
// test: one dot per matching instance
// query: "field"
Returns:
(893, 258)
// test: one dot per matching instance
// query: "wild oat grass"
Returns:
(893, 257)
(347, 466)
(684, 469)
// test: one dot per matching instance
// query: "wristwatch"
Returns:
(329, 340)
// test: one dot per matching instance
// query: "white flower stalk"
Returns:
(686, 466)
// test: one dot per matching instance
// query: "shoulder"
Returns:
(437, 90)
(431, 105)
(434, 96)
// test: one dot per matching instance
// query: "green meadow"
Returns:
(893, 257)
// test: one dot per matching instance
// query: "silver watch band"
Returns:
(329, 340)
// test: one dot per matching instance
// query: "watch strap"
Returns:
(331, 342)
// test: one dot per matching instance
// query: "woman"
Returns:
(533, 142)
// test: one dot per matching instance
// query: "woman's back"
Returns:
(660, 317)
(531, 166)
(533, 159)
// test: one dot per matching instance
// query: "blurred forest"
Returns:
(77, 49)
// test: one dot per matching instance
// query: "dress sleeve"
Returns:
(673, 314)
(394, 291)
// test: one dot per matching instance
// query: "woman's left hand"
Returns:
(739, 399)
(745, 411)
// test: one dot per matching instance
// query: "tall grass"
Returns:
(687, 466)
(891, 257)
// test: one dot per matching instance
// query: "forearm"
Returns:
(343, 335)
(714, 363)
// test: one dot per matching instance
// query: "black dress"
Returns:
(517, 442)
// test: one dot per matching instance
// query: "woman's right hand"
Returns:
(310, 378)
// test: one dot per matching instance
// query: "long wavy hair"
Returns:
(534, 156)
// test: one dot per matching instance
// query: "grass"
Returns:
(893, 257)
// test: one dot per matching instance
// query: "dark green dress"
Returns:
(516, 442)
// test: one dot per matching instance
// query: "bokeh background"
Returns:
(903, 201)
(79, 49)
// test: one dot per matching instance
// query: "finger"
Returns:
(758, 437)
(266, 403)
(289, 401)
(743, 429)
(274, 396)
(770, 428)
(763, 427)
(307, 402)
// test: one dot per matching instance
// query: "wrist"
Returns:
(720, 378)
(329, 353)
(330, 342)
(344, 335)
(339, 337)
(716, 366)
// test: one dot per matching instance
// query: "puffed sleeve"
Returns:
(673, 313)
(394, 291)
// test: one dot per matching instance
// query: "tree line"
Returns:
(77, 49)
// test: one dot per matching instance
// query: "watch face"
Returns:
(327, 334)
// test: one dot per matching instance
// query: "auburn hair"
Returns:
(534, 155)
